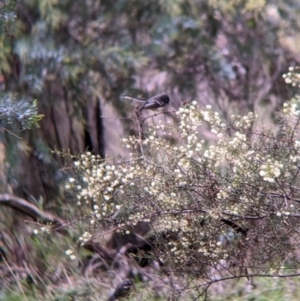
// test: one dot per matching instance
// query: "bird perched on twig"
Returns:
(157, 101)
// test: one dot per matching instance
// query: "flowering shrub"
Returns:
(235, 202)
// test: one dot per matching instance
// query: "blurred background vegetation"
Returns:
(64, 65)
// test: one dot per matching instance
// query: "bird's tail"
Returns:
(132, 98)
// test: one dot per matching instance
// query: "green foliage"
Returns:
(7, 21)
(18, 112)
(217, 43)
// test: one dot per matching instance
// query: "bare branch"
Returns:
(31, 210)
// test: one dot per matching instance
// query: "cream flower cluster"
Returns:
(270, 170)
(190, 119)
(293, 76)
(292, 108)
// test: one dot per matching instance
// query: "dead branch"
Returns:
(31, 210)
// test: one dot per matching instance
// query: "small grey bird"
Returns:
(157, 101)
